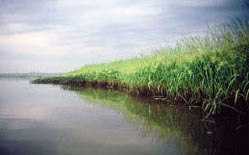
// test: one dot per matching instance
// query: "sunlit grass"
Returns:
(211, 71)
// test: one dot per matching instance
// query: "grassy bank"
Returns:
(210, 71)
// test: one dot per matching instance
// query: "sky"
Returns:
(62, 35)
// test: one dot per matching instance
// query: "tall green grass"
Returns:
(211, 71)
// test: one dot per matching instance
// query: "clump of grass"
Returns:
(211, 71)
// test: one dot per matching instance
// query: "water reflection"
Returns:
(165, 123)
(47, 120)
(157, 121)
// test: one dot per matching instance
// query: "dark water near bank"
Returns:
(51, 120)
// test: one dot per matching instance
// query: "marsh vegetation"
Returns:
(211, 71)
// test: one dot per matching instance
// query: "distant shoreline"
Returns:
(28, 75)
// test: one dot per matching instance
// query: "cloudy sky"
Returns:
(61, 35)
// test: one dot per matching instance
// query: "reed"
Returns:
(211, 71)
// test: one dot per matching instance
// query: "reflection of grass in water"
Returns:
(153, 120)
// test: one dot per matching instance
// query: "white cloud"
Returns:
(75, 3)
(32, 43)
(17, 27)
(116, 15)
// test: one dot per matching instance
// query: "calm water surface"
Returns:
(51, 120)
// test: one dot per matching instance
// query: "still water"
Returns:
(54, 120)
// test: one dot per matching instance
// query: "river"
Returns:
(38, 119)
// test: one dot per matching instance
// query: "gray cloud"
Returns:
(59, 35)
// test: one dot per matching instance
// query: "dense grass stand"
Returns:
(211, 71)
